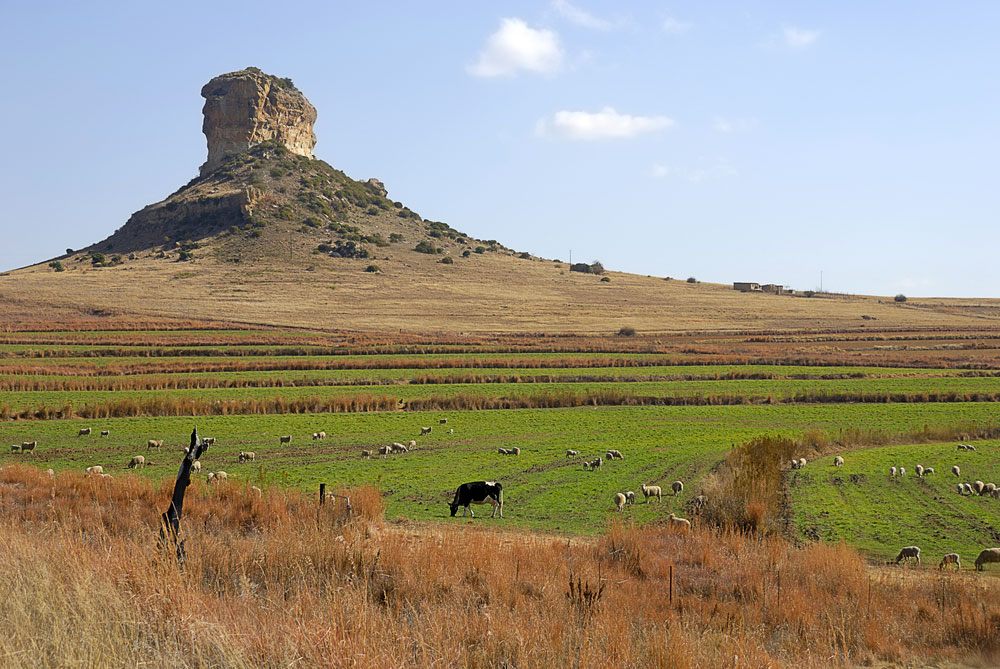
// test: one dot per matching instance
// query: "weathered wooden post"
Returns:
(170, 521)
(322, 493)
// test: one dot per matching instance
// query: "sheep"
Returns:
(51, 473)
(795, 464)
(951, 558)
(256, 491)
(285, 439)
(909, 552)
(955, 470)
(699, 502)
(514, 451)
(978, 487)
(961, 488)
(451, 431)
(989, 489)
(95, 470)
(443, 421)
(247, 456)
(802, 463)
(154, 443)
(614, 455)
(136, 462)
(596, 463)
(620, 501)
(384, 451)
(987, 555)
(366, 455)
(15, 448)
(838, 461)
(652, 491)
(902, 471)
(682, 524)
(570, 453)
(398, 447)
(412, 444)
(970, 447)
(503, 451)
(208, 441)
(920, 471)
(84, 431)
(928, 471)
(586, 465)
(677, 487)
(217, 477)
(105, 433)
(28, 446)
(424, 430)
(319, 435)
(892, 471)
(630, 497)
(968, 489)
(196, 466)
(107, 477)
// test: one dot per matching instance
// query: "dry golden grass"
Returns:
(272, 583)
(489, 293)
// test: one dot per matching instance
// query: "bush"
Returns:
(596, 267)
(691, 279)
(626, 332)
(395, 237)
(69, 252)
(349, 249)
(606, 279)
(276, 172)
(580, 267)
(372, 210)
(373, 269)
(447, 260)
(524, 255)
(98, 260)
(184, 256)
(425, 247)
(480, 249)
(57, 266)
(900, 298)
(466, 253)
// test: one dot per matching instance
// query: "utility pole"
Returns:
(571, 257)
(821, 281)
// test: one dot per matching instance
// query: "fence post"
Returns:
(671, 584)
(322, 493)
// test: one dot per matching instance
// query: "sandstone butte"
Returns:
(267, 234)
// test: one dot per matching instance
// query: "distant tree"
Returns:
(900, 298)
(57, 266)
(691, 279)
(596, 267)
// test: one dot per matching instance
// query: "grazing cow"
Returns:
(105, 433)
(28, 446)
(424, 430)
(84, 431)
(478, 492)
(286, 439)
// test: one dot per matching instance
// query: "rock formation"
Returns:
(245, 108)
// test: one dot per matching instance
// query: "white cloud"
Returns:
(800, 38)
(675, 26)
(717, 168)
(728, 125)
(581, 17)
(605, 124)
(516, 46)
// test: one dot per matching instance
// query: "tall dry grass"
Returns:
(271, 582)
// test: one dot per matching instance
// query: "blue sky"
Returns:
(726, 141)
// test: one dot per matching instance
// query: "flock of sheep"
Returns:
(986, 556)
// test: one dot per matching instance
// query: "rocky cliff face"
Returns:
(245, 108)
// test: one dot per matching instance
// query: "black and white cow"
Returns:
(478, 492)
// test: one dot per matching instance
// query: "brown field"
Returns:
(492, 294)
(276, 582)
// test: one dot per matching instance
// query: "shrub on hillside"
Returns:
(691, 279)
(395, 237)
(900, 298)
(447, 260)
(596, 267)
(480, 249)
(605, 279)
(626, 332)
(425, 247)
(57, 266)
(373, 269)
(524, 255)
(580, 267)
(466, 253)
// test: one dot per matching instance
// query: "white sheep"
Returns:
(503, 451)
(196, 466)
(247, 456)
(838, 461)
(802, 463)
(443, 421)
(677, 487)
(319, 435)
(989, 488)
(424, 430)
(596, 463)
(84, 431)
(630, 497)
(682, 524)
(384, 451)
(256, 491)
(614, 455)
(909, 552)
(136, 462)
(955, 470)
(107, 477)
(105, 433)
(51, 473)
(951, 558)
(95, 470)
(620, 501)
(651, 491)
(892, 471)
(15, 448)
(928, 471)
(217, 477)
(920, 470)
(154, 443)
(570, 453)
(961, 488)
(285, 439)
(978, 486)
(986, 556)
(28, 446)
(365, 455)
(902, 471)
(970, 447)
(398, 447)
(208, 441)
(514, 451)
(412, 444)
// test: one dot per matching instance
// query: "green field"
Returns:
(544, 490)
(861, 504)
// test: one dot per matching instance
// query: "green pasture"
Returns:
(860, 503)
(543, 489)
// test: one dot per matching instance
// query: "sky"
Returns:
(775, 142)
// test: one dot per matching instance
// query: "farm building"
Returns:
(746, 287)
(773, 288)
